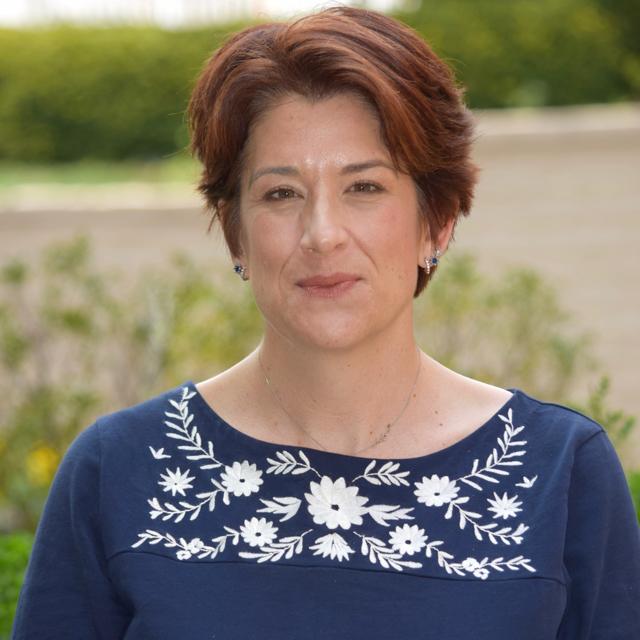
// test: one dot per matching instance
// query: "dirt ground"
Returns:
(559, 191)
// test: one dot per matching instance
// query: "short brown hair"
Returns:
(425, 124)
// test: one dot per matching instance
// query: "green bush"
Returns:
(14, 555)
(523, 53)
(70, 93)
(633, 479)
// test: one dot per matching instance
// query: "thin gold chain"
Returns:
(387, 428)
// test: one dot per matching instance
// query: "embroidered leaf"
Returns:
(382, 513)
(488, 478)
(471, 483)
(369, 467)
(177, 436)
(514, 454)
(500, 472)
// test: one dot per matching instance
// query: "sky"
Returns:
(166, 12)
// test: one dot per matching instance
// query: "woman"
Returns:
(338, 482)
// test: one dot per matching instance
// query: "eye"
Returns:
(270, 194)
(366, 187)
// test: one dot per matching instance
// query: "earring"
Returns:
(431, 262)
(241, 271)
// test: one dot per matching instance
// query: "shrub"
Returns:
(70, 92)
(14, 555)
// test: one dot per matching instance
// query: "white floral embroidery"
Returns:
(332, 545)
(385, 475)
(242, 479)
(257, 533)
(526, 483)
(407, 539)
(436, 491)
(158, 454)
(335, 503)
(504, 507)
(176, 481)
(508, 451)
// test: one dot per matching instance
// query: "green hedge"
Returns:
(524, 53)
(68, 92)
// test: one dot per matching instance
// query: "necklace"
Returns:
(387, 428)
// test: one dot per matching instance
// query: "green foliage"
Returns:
(633, 479)
(617, 423)
(14, 555)
(71, 92)
(510, 331)
(88, 92)
(76, 341)
(522, 53)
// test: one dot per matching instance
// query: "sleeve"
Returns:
(602, 548)
(66, 592)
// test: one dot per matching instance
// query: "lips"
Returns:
(328, 280)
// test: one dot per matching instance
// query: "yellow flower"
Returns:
(41, 465)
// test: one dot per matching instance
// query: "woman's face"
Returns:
(308, 210)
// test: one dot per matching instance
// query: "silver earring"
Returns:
(431, 262)
(241, 271)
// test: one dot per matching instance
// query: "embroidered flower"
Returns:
(407, 539)
(332, 545)
(504, 507)
(334, 504)
(195, 545)
(176, 481)
(436, 491)
(258, 532)
(242, 479)
(337, 504)
(470, 564)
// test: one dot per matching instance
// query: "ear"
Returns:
(441, 241)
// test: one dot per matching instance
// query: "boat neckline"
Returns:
(210, 412)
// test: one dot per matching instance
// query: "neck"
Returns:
(342, 399)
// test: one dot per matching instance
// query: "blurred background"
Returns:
(111, 290)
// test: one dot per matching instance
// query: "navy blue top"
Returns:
(164, 522)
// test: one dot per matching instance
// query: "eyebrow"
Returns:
(349, 168)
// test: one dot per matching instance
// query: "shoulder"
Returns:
(558, 420)
(140, 421)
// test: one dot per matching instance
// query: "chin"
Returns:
(336, 336)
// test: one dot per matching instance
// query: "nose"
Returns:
(323, 225)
